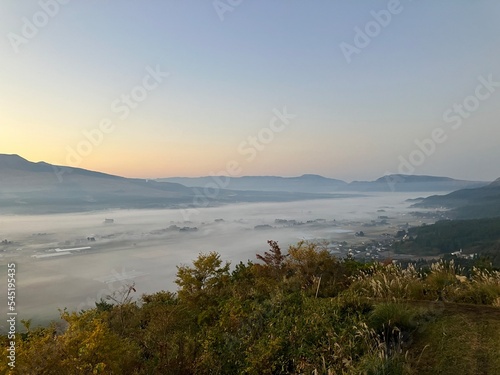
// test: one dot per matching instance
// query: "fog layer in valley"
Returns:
(145, 246)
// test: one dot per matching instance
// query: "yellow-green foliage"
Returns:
(388, 282)
(315, 270)
(463, 339)
(300, 312)
(444, 281)
(483, 287)
(87, 346)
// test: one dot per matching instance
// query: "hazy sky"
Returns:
(346, 89)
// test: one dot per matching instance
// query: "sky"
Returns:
(345, 89)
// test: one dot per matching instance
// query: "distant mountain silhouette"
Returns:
(469, 203)
(17, 163)
(27, 187)
(415, 178)
(495, 183)
(310, 183)
(306, 183)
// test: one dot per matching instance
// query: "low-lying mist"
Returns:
(145, 246)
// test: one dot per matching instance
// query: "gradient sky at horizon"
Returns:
(354, 120)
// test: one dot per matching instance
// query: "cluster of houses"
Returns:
(460, 254)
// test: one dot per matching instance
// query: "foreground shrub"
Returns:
(390, 281)
(87, 346)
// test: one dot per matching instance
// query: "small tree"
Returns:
(207, 275)
(124, 307)
(274, 258)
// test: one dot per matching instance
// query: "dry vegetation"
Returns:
(303, 312)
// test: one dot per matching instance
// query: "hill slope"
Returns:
(477, 236)
(27, 187)
(469, 203)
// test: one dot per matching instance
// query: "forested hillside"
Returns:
(299, 312)
(474, 203)
(480, 237)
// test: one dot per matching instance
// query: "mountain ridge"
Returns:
(28, 187)
(317, 183)
(17, 162)
(473, 203)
